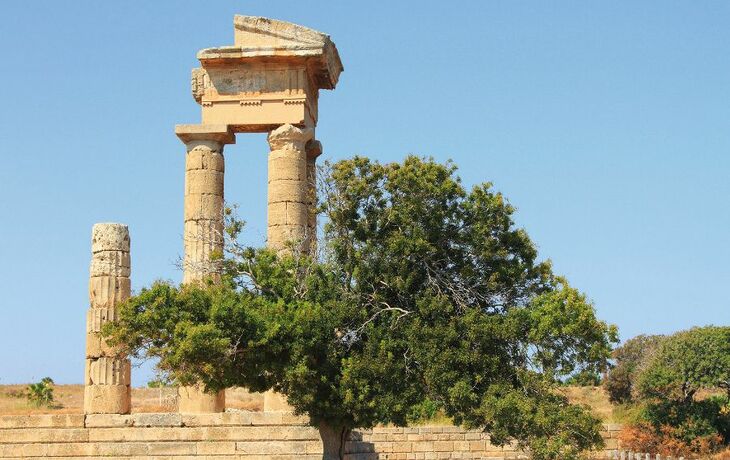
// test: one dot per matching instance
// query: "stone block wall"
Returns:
(443, 442)
(228, 436)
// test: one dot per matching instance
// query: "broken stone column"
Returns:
(107, 372)
(203, 228)
(289, 191)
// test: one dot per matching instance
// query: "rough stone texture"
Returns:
(107, 372)
(193, 400)
(289, 191)
(234, 435)
(203, 219)
(271, 76)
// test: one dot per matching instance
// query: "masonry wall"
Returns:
(228, 436)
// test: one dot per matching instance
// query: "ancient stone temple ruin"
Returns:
(268, 81)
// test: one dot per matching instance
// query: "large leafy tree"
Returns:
(422, 295)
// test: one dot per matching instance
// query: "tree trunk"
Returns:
(333, 441)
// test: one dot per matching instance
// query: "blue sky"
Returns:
(607, 124)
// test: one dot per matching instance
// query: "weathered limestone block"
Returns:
(107, 399)
(109, 291)
(110, 237)
(110, 263)
(203, 207)
(107, 371)
(202, 239)
(204, 181)
(194, 400)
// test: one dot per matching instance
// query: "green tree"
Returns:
(670, 387)
(41, 393)
(422, 295)
(630, 360)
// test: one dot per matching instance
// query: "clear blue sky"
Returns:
(607, 124)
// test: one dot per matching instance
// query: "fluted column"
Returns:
(288, 189)
(203, 228)
(107, 374)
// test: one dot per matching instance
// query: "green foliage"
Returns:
(425, 298)
(669, 388)
(41, 393)
(630, 359)
(687, 362)
(426, 410)
(159, 382)
(584, 378)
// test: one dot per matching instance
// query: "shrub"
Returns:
(41, 393)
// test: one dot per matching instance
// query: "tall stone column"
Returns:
(107, 372)
(203, 228)
(288, 189)
(290, 221)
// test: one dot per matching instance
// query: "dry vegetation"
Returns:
(597, 399)
(70, 399)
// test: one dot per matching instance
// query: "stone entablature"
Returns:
(270, 76)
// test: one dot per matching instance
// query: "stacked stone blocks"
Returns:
(235, 435)
(289, 190)
(203, 227)
(107, 371)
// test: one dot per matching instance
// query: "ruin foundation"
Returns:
(234, 435)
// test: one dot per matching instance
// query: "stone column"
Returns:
(203, 228)
(107, 376)
(288, 210)
(289, 203)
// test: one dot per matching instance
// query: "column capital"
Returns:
(221, 134)
(289, 137)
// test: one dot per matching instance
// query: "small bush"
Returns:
(667, 441)
(41, 393)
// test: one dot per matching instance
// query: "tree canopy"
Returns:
(422, 294)
(683, 393)
(631, 359)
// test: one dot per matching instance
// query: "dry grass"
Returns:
(596, 398)
(70, 400)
